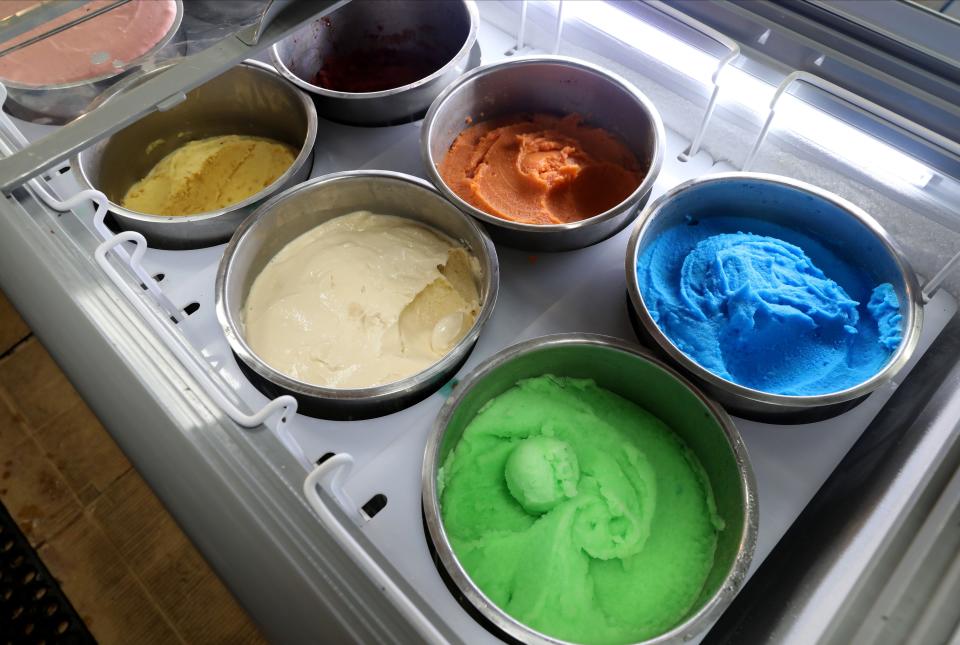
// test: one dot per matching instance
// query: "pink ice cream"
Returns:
(93, 48)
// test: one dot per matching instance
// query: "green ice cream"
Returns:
(579, 513)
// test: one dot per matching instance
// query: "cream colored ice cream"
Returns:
(362, 300)
(209, 174)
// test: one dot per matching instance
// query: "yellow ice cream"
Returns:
(362, 300)
(210, 174)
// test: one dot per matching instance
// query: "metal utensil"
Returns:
(302, 208)
(635, 375)
(797, 205)
(447, 25)
(555, 85)
(249, 99)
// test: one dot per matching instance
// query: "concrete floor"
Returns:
(127, 568)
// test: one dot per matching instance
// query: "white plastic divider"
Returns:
(287, 403)
(330, 476)
(12, 141)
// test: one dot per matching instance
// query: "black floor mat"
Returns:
(33, 608)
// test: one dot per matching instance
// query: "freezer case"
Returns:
(278, 501)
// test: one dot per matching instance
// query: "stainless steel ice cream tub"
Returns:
(636, 375)
(554, 85)
(450, 24)
(799, 206)
(249, 99)
(62, 103)
(302, 208)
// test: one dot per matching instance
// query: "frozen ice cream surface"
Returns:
(884, 306)
(541, 168)
(362, 300)
(210, 174)
(579, 513)
(778, 312)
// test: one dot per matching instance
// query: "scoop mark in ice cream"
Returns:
(540, 169)
(209, 174)
(884, 306)
(758, 311)
(579, 513)
(362, 300)
(85, 51)
(542, 472)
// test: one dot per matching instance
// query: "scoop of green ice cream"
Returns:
(541, 472)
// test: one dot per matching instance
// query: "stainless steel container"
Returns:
(62, 103)
(635, 375)
(448, 24)
(555, 85)
(832, 220)
(301, 209)
(250, 99)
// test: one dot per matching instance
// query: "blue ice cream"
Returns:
(774, 309)
(885, 308)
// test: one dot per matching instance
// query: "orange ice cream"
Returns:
(540, 169)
